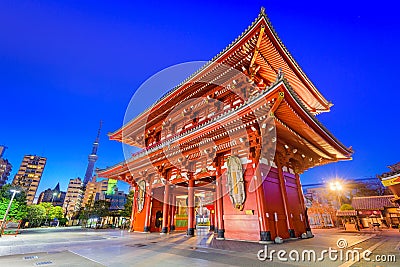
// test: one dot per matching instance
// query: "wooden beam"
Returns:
(276, 104)
(257, 46)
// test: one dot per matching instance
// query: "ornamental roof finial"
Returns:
(262, 11)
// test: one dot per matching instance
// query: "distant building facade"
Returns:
(5, 167)
(5, 170)
(95, 190)
(29, 175)
(73, 198)
(117, 200)
(55, 196)
(321, 209)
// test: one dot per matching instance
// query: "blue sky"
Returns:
(66, 65)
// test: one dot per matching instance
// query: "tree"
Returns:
(101, 208)
(367, 188)
(18, 207)
(127, 211)
(56, 212)
(47, 206)
(6, 193)
(36, 214)
(346, 207)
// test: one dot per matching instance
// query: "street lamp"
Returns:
(338, 187)
(52, 198)
(8, 209)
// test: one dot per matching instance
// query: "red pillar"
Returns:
(303, 206)
(173, 210)
(289, 219)
(212, 221)
(190, 230)
(148, 201)
(215, 214)
(164, 229)
(265, 233)
(220, 208)
(135, 194)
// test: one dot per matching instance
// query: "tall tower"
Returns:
(92, 159)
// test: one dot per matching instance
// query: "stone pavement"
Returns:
(88, 247)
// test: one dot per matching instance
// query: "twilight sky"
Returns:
(66, 65)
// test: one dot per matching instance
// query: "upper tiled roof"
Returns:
(373, 202)
(395, 169)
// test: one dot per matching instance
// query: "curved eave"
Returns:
(325, 104)
(252, 30)
(306, 119)
(322, 142)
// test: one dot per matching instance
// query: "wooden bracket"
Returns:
(276, 104)
(257, 46)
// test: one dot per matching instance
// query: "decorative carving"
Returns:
(141, 195)
(235, 182)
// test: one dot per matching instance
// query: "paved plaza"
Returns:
(88, 247)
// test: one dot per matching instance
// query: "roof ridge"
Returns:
(374, 196)
(208, 63)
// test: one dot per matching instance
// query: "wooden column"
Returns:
(173, 211)
(303, 206)
(148, 202)
(212, 219)
(164, 228)
(220, 208)
(215, 215)
(265, 233)
(190, 230)
(289, 219)
(134, 200)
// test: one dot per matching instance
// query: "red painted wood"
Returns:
(157, 206)
(274, 204)
(165, 205)
(134, 205)
(250, 206)
(191, 203)
(284, 197)
(147, 208)
(242, 227)
(172, 208)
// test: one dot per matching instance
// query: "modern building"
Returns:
(92, 158)
(29, 174)
(244, 127)
(54, 196)
(73, 197)
(95, 190)
(117, 200)
(5, 167)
